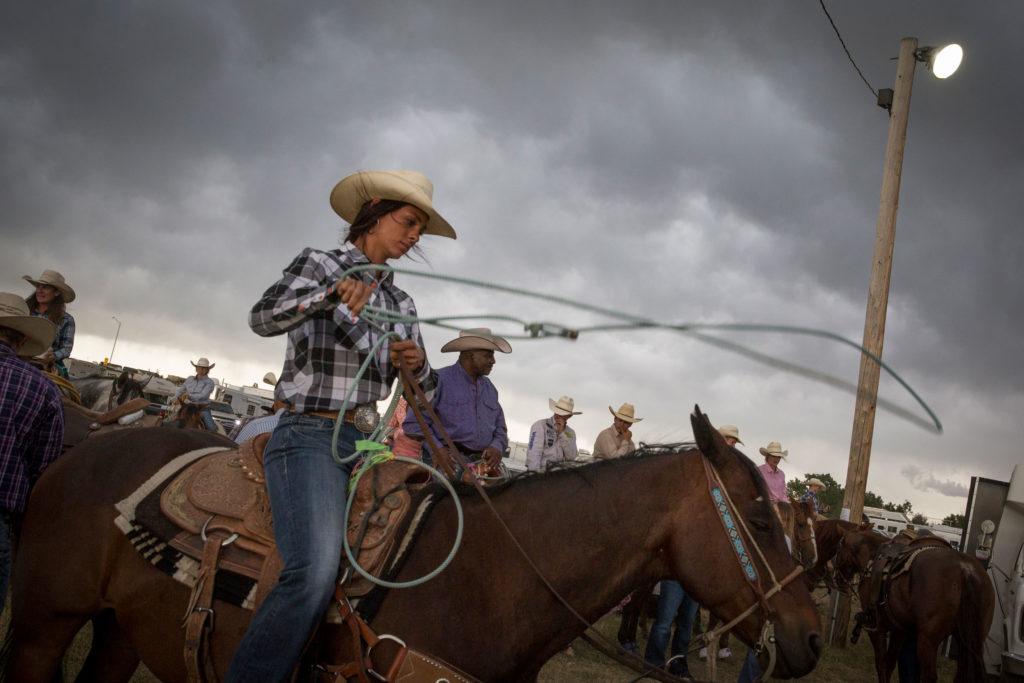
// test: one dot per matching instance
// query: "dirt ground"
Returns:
(584, 664)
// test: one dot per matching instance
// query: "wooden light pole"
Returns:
(874, 319)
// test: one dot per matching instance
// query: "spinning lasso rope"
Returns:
(539, 330)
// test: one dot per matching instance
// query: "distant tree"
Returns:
(873, 500)
(906, 507)
(919, 519)
(959, 521)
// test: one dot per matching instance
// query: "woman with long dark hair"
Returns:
(50, 301)
(319, 311)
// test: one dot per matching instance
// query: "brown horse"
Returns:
(488, 613)
(828, 534)
(944, 593)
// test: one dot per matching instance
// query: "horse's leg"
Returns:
(38, 646)
(897, 640)
(927, 654)
(879, 642)
(111, 657)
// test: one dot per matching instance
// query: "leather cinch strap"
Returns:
(199, 617)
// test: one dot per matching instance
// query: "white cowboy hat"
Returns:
(203, 363)
(774, 448)
(39, 332)
(477, 339)
(411, 187)
(270, 378)
(563, 406)
(814, 481)
(55, 280)
(731, 431)
(625, 412)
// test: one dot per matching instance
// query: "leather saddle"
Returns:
(223, 496)
(892, 560)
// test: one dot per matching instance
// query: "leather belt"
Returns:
(363, 417)
(350, 414)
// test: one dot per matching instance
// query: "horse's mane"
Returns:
(561, 470)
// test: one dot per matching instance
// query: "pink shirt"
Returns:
(400, 443)
(776, 481)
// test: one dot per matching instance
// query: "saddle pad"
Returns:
(149, 532)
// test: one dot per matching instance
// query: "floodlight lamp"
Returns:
(943, 61)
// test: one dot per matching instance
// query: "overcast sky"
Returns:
(689, 162)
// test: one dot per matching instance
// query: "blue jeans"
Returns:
(207, 415)
(307, 498)
(674, 605)
(751, 671)
(6, 541)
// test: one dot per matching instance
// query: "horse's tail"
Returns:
(971, 623)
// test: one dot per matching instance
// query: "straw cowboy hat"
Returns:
(774, 448)
(55, 280)
(814, 481)
(203, 363)
(270, 378)
(477, 339)
(625, 412)
(38, 332)
(731, 431)
(411, 187)
(14, 315)
(563, 406)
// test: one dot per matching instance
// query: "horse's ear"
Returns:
(866, 525)
(709, 441)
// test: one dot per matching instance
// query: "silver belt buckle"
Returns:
(366, 418)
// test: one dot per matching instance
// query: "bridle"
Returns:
(808, 539)
(735, 529)
(843, 583)
(450, 460)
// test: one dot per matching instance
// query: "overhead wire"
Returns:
(846, 49)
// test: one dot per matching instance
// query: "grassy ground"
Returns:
(853, 663)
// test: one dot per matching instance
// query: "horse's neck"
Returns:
(784, 511)
(595, 535)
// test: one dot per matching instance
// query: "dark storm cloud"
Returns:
(712, 161)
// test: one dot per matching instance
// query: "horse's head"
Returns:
(805, 545)
(743, 561)
(189, 416)
(856, 548)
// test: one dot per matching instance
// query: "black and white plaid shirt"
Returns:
(325, 347)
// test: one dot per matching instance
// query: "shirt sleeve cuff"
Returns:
(321, 299)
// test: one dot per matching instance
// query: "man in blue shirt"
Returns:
(466, 401)
(198, 389)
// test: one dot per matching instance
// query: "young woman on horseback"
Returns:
(320, 310)
(49, 300)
